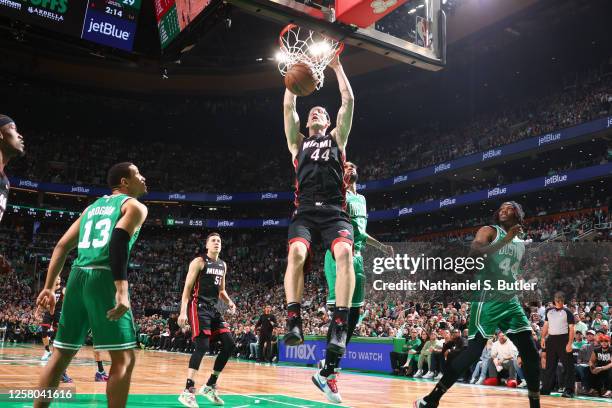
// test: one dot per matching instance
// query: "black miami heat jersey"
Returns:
(319, 171)
(208, 284)
(4, 193)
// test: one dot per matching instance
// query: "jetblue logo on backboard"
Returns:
(442, 167)
(79, 189)
(224, 197)
(496, 191)
(491, 154)
(557, 178)
(225, 223)
(400, 179)
(301, 352)
(405, 211)
(609, 121)
(108, 30)
(549, 138)
(177, 196)
(28, 183)
(447, 202)
(269, 196)
(361, 186)
(268, 223)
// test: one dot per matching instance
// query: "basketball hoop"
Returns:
(300, 45)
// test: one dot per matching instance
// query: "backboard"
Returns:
(411, 31)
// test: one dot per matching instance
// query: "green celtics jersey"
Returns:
(358, 212)
(503, 265)
(97, 224)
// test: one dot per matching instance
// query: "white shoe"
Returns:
(188, 399)
(523, 384)
(480, 381)
(429, 375)
(418, 374)
(328, 386)
(45, 356)
(210, 392)
(437, 377)
(473, 381)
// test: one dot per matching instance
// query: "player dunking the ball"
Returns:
(204, 286)
(325, 379)
(320, 201)
(97, 289)
(496, 309)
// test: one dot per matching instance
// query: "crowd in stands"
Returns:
(170, 166)
(254, 281)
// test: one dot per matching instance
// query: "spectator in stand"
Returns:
(482, 366)
(429, 341)
(503, 354)
(438, 361)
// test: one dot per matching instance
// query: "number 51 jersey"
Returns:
(97, 224)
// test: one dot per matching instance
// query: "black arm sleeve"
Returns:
(118, 253)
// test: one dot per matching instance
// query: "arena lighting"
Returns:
(319, 48)
(412, 11)
(280, 56)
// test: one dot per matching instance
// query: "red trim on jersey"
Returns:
(296, 200)
(218, 332)
(308, 262)
(45, 325)
(299, 239)
(195, 321)
(340, 239)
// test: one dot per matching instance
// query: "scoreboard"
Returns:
(107, 22)
(174, 16)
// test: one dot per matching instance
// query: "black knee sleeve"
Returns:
(353, 318)
(202, 344)
(227, 346)
(529, 355)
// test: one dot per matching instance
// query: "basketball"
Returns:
(299, 80)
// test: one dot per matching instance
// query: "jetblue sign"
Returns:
(108, 30)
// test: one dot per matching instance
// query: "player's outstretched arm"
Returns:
(292, 123)
(46, 298)
(133, 216)
(194, 269)
(344, 120)
(224, 296)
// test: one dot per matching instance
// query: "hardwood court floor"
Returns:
(159, 377)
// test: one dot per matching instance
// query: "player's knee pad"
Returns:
(227, 343)
(202, 344)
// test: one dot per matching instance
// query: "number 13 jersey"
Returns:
(97, 224)
(319, 170)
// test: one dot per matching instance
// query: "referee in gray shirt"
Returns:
(559, 327)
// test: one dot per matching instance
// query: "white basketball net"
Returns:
(305, 46)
